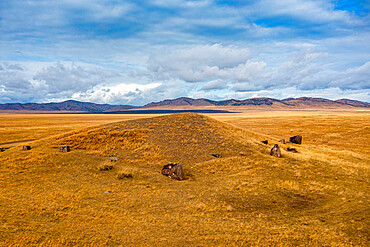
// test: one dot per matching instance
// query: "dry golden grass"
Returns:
(18, 127)
(105, 166)
(341, 130)
(125, 173)
(317, 197)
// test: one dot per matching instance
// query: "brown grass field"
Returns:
(316, 197)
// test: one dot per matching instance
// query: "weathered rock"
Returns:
(275, 151)
(296, 139)
(25, 148)
(293, 150)
(173, 170)
(64, 149)
(217, 155)
(265, 142)
(282, 141)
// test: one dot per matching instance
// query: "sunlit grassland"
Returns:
(341, 130)
(18, 127)
(317, 197)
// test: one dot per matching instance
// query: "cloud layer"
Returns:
(123, 52)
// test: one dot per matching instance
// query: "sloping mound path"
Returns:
(245, 198)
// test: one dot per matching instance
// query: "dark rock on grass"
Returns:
(217, 155)
(293, 150)
(296, 139)
(25, 148)
(173, 170)
(275, 151)
(64, 149)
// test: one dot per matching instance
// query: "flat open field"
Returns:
(342, 130)
(19, 127)
(316, 197)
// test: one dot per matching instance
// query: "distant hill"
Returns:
(289, 102)
(183, 101)
(310, 101)
(307, 101)
(69, 105)
(355, 103)
(77, 106)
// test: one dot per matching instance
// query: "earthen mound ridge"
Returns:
(188, 138)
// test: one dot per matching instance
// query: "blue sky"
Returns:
(135, 52)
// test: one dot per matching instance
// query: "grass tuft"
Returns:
(125, 173)
(105, 166)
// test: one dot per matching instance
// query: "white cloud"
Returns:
(61, 78)
(12, 76)
(99, 10)
(180, 3)
(47, 82)
(228, 70)
(306, 69)
(39, 82)
(129, 93)
(214, 85)
(314, 11)
(353, 78)
(250, 71)
(197, 63)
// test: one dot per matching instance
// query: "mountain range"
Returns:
(289, 102)
(69, 105)
(77, 106)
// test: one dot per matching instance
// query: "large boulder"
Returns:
(296, 139)
(275, 151)
(173, 170)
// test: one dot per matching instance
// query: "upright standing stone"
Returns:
(173, 170)
(275, 151)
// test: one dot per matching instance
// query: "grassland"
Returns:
(18, 127)
(341, 130)
(317, 197)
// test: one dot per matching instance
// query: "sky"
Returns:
(136, 52)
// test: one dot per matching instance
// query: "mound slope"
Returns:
(186, 138)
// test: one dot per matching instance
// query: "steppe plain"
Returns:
(316, 197)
